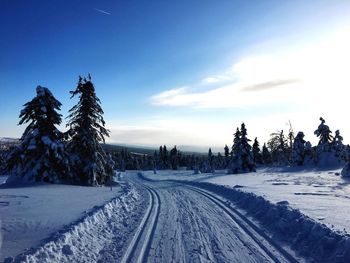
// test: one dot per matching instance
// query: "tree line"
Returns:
(246, 155)
(77, 156)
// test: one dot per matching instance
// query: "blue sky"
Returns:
(181, 72)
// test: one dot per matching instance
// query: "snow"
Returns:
(223, 218)
(32, 214)
(98, 237)
(285, 203)
(346, 171)
(322, 195)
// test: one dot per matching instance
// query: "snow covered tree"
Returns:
(227, 151)
(164, 156)
(208, 164)
(279, 148)
(41, 155)
(220, 163)
(299, 149)
(2, 163)
(338, 146)
(266, 155)
(87, 131)
(227, 155)
(242, 160)
(324, 133)
(236, 142)
(256, 152)
(174, 159)
(326, 154)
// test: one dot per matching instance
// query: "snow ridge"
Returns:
(103, 225)
(310, 238)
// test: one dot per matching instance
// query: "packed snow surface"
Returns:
(322, 195)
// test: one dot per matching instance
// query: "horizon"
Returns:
(182, 73)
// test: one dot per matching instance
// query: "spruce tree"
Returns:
(266, 155)
(248, 164)
(324, 133)
(227, 156)
(41, 155)
(220, 162)
(256, 152)
(242, 157)
(236, 143)
(174, 160)
(165, 158)
(326, 154)
(338, 146)
(87, 131)
(210, 162)
(299, 149)
(227, 151)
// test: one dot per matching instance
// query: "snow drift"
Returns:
(103, 224)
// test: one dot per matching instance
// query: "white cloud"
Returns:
(174, 131)
(312, 82)
(307, 76)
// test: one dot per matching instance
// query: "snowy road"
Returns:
(162, 221)
(187, 224)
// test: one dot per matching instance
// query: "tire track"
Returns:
(140, 245)
(267, 244)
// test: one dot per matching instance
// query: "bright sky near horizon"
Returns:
(182, 72)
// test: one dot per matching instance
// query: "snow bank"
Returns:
(34, 213)
(308, 237)
(88, 238)
(320, 194)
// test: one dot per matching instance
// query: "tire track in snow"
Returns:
(271, 248)
(140, 245)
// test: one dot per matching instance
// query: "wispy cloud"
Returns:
(102, 11)
(269, 85)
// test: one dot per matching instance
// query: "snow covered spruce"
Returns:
(45, 154)
(41, 156)
(242, 156)
(86, 132)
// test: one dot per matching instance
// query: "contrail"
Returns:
(102, 11)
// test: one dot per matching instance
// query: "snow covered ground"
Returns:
(198, 218)
(29, 215)
(322, 195)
